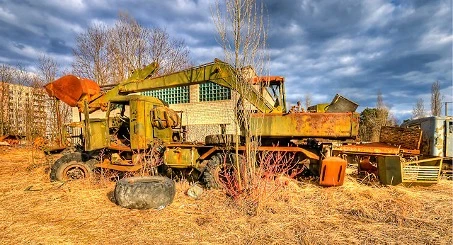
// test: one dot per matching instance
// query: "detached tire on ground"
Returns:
(72, 166)
(147, 192)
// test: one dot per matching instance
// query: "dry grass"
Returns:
(38, 212)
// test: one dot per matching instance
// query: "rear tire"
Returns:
(147, 192)
(211, 173)
(218, 167)
(72, 166)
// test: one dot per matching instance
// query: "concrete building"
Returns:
(23, 110)
(208, 108)
(205, 108)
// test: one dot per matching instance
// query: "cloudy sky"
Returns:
(322, 47)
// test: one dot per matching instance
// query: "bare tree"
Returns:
(90, 55)
(48, 69)
(382, 116)
(20, 101)
(39, 101)
(126, 47)
(419, 109)
(108, 55)
(307, 100)
(242, 35)
(436, 99)
(171, 54)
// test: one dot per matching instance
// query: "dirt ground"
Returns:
(35, 211)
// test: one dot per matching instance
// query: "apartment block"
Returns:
(23, 110)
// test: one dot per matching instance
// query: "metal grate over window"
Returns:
(177, 95)
(210, 92)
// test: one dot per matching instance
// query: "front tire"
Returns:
(72, 166)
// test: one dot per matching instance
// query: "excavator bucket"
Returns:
(70, 89)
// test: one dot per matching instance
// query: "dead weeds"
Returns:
(36, 211)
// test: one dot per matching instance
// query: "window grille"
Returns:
(177, 95)
(210, 92)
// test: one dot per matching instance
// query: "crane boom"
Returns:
(217, 72)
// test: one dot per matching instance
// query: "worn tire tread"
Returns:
(146, 192)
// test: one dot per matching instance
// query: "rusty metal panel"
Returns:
(341, 104)
(389, 170)
(407, 138)
(181, 157)
(369, 148)
(325, 125)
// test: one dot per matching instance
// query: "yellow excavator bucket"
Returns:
(70, 89)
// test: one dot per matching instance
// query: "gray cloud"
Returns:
(358, 48)
(352, 47)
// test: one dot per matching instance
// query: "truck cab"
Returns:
(132, 122)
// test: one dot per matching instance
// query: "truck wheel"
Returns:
(220, 139)
(72, 166)
(218, 167)
(145, 192)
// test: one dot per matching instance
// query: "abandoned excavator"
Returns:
(137, 129)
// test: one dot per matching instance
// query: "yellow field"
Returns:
(35, 211)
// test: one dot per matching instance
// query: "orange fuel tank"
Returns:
(333, 170)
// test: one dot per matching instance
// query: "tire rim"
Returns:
(75, 171)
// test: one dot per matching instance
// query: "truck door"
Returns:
(118, 117)
(140, 129)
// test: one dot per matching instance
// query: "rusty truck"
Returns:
(135, 124)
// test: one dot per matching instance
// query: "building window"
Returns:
(210, 92)
(177, 95)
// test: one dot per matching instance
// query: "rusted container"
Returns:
(316, 125)
(333, 170)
